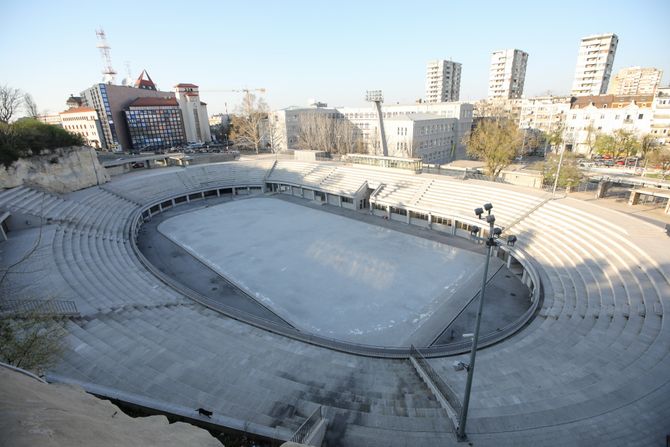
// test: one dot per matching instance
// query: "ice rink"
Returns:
(328, 274)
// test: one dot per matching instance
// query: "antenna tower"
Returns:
(109, 74)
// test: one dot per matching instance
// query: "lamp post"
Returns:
(494, 233)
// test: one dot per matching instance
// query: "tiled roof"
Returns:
(153, 102)
(79, 110)
(187, 85)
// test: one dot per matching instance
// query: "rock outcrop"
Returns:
(33, 413)
(61, 171)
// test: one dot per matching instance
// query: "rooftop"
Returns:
(78, 110)
(153, 102)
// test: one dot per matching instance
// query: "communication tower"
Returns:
(109, 74)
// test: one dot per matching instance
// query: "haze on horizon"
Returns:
(297, 50)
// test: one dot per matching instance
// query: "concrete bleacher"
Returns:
(590, 369)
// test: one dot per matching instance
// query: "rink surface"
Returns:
(329, 274)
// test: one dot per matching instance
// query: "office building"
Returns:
(443, 81)
(155, 123)
(507, 74)
(594, 64)
(433, 132)
(635, 81)
(111, 101)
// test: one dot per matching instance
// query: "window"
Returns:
(640, 116)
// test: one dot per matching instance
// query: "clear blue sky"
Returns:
(329, 50)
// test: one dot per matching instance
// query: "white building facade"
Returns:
(545, 113)
(507, 74)
(443, 81)
(594, 64)
(194, 113)
(660, 121)
(433, 132)
(84, 121)
(635, 81)
(603, 116)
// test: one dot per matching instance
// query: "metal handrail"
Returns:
(50, 307)
(305, 430)
(443, 387)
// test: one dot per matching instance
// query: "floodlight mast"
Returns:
(377, 97)
(494, 233)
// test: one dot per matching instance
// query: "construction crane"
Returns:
(247, 91)
(243, 90)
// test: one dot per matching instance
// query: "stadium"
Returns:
(269, 295)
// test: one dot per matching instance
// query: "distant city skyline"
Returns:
(298, 50)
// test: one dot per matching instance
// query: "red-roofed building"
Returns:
(112, 101)
(153, 102)
(155, 123)
(194, 111)
(145, 82)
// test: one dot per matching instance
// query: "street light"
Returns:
(491, 242)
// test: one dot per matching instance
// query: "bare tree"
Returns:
(274, 133)
(591, 137)
(10, 101)
(316, 132)
(30, 340)
(348, 139)
(30, 106)
(248, 124)
(648, 144)
(321, 131)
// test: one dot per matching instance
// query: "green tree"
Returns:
(555, 137)
(627, 143)
(495, 142)
(570, 174)
(28, 136)
(605, 144)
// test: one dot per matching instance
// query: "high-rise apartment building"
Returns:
(507, 74)
(635, 81)
(594, 64)
(443, 81)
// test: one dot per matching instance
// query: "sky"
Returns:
(332, 51)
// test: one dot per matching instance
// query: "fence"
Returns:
(51, 308)
(446, 392)
(305, 430)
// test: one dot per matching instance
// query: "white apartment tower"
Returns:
(634, 81)
(507, 74)
(443, 81)
(594, 64)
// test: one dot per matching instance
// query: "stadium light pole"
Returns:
(490, 243)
